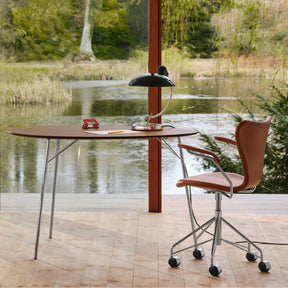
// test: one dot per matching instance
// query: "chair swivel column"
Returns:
(218, 225)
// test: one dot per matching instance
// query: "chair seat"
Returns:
(213, 181)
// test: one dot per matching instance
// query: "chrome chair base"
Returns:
(216, 238)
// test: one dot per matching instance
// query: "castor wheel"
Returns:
(251, 256)
(198, 253)
(264, 266)
(215, 270)
(174, 262)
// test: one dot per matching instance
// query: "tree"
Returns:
(45, 29)
(186, 24)
(86, 40)
(113, 37)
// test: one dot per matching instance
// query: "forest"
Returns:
(50, 30)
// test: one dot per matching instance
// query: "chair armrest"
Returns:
(212, 156)
(200, 151)
(226, 140)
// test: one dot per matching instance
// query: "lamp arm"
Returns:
(149, 117)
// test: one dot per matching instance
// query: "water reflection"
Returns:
(177, 106)
(115, 166)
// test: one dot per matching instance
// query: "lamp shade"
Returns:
(159, 79)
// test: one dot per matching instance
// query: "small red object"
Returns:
(90, 123)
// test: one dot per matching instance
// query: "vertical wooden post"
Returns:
(155, 169)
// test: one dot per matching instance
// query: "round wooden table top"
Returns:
(103, 132)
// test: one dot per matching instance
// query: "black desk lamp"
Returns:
(159, 79)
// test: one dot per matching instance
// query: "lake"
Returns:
(108, 167)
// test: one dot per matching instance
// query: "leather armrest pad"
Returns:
(199, 150)
(226, 140)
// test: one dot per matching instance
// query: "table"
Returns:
(75, 133)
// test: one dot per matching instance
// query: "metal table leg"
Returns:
(47, 160)
(54, 189)
(42, 198)
(188, 193)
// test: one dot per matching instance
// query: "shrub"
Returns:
(46, 30)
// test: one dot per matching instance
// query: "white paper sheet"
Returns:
(112, 132)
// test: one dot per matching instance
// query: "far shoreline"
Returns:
(274, 68)
(42, 82)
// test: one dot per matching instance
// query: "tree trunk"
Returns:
(86, 45)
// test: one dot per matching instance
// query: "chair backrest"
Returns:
(251, 137)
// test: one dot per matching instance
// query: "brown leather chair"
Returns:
(250, 140)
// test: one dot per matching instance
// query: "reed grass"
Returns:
(21, 86)
(36, 92)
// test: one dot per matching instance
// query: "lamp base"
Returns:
(146, 126)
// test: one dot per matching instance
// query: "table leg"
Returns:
(188, 193)
(54, 190)
(42, 198)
